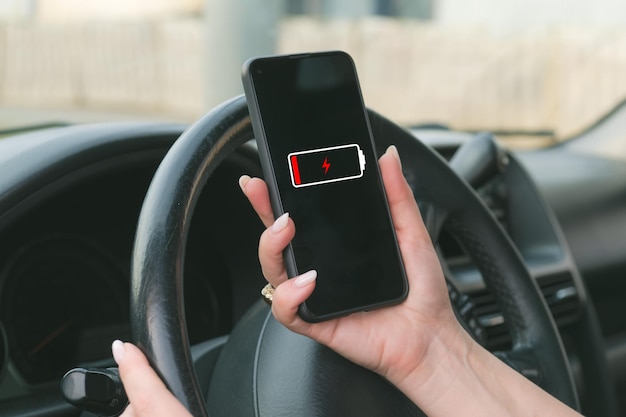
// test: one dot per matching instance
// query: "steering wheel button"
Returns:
(98, 391)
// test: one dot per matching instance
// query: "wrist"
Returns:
(447, 356)
(457, 373)
(450, 373)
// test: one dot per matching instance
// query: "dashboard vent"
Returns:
(490, 318)
(561, 295)
(558, 290)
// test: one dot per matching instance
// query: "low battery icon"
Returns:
(324, 165)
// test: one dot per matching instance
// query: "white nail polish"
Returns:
(392, 150)
(243, 180)
(280, 223)
(118, 351)
(305, 279)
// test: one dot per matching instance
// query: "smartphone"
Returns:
(319, 161)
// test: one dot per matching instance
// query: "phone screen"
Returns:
(310, 117)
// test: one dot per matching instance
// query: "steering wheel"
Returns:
(264, 369)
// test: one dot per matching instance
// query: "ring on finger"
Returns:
(268, 293)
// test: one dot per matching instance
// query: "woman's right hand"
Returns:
(392, 341)
(418, 345)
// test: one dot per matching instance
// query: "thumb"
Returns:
(147, 394)
(404, 210)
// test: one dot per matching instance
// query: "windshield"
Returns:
(533, 72)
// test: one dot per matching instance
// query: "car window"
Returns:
(533, 72)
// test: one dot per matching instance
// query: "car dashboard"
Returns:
(70, 198)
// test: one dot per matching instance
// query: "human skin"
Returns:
(418, 345)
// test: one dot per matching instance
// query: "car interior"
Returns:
(138, 231)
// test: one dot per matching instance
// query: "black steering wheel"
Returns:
(264, 369)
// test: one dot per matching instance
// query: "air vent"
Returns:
(561, 295)
(559, 292)
(490, 318)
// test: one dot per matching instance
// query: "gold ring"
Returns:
(268, 293)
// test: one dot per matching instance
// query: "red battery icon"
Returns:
(324, 165)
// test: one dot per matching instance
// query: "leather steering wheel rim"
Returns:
(157, 309)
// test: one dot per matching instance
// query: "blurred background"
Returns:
(535, 72)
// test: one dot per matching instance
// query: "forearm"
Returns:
(460, 376)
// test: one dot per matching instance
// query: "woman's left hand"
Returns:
(147, 394)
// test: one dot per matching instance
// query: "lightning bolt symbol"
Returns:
(325, 165)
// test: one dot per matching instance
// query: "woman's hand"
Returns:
(418, 344)
(391, 341)
(147, 395)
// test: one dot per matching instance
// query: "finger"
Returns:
(146, 392)
(418, 253)
(289, 296)
(272, 243)
(405, 213)
(255, 189)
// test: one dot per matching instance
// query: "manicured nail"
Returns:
(118, 350)
(393, 151)
(280, 223)
(243, 180)
(305, 279)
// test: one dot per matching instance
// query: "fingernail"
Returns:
(305, 279)
(280, 223)
(243, 180)
(393, 151)
(118, 350)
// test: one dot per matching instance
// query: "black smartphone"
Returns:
(320, 164)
